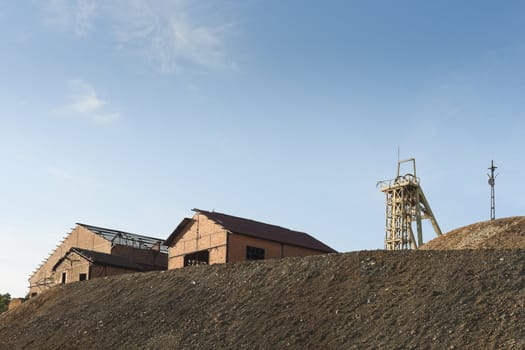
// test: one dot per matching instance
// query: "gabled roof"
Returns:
(126, 238)
(177, 231)
(103, 259)
(256, 229)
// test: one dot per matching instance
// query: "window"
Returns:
(254, 253)
(63, 280)
(82, 277)
(197, 258)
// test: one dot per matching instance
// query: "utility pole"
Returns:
(492, 182)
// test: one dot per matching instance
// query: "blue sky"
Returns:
(127, 114)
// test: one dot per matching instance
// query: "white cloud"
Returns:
(83, 102)
(172, 34)
(71, 15)
(84, 99)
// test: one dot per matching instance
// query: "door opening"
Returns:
(198, 258)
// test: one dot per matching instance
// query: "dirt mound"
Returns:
(506, 233)
(412, 299)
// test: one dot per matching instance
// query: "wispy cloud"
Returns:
(71, 15)
(83, 102)
(173, 35)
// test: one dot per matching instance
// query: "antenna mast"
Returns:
(492, 182)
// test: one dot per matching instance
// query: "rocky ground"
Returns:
(470, 299)
(462, 290)
(506, 233)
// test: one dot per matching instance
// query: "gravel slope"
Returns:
(470, 299)
(506, 233)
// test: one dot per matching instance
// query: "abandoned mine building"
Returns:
(212, 238)
(89, 252)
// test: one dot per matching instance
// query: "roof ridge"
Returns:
(264, 230)
(239, 217)
(118, 231)
(94, 257)
(81, 251)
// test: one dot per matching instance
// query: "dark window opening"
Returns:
(197, 258)
(63, 280)
(82, 277)
(254, 253)
(33, 294)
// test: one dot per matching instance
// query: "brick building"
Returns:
(89, 252)
(15, 302)
(212, 238)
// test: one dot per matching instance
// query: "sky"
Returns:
(127, 114)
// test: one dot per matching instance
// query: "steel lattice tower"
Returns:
(405, 203)
(492, 182)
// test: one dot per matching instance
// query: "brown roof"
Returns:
(104, 259)
(177, 231)
(265, 231)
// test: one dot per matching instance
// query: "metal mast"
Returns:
(492, 182)
(405, 203)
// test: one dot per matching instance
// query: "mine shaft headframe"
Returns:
(405, 203)
(399, 162)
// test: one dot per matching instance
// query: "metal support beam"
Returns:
(405, 203)
(492, 182)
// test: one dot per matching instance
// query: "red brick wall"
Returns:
(73, 266)
(149, 259)
(291, 250)
(204, 234)
(80, 237)
(201, 234)
(237, 244)
(237, 247)
(15, 302)
(102, 271)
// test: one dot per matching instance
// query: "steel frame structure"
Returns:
(492, 182)
(406, 203)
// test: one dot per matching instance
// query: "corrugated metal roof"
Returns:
(127, 238)
(266, 231)
(104, 259)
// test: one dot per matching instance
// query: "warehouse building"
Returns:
(89, 252)
(213, 238)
